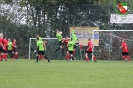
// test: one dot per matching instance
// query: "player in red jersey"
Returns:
(14, 50)
(65, 41)
(5, 55)
(125, 51)
(89, 50)
(1, 46)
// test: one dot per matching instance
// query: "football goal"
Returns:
(51, 46)
(109, 43)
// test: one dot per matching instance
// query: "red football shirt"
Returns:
(1, 41)
(65, 41)
(80, 46)
(124, 47)
(5, 44)
(90, 46)
(13, 45)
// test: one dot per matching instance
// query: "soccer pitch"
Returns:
(63, 74)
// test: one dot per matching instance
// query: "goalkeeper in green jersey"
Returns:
(60, 39)
(71, 48)
(75, 39)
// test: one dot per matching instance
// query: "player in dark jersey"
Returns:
(89, 53)
(14, 50)
(65, 41)
(5, 55)
(125, 51)
(1, 46)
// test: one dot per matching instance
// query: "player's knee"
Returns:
(16, 53)
(67, 52)
(61, 47)
(71, 55)
(86, 54)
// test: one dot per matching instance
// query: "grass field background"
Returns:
(63, 74)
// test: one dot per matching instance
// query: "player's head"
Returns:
(57, 30)
(37, 35)
(14, 40)
(118, 1)
(4, 37)
(89, 39)
(123, 40)
(1, 35)
(66, 37)
(45, 41)
(9, 39)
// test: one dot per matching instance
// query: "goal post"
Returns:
(109, 42)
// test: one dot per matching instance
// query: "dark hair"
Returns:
(45, 40)
(4, 37)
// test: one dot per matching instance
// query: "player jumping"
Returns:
(74, 38)
(5, 55)
(65, 41)
(60, 39)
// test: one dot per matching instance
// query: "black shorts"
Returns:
(90, 52)
(41, 52)
(71, 52)
(9, 51)
(5, 51)
(124, 53)
(1, 50)
(60, 43)
(74, 46)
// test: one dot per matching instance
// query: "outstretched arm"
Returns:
(57, 31)
(44, 45)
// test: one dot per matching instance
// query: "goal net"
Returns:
(109, 43)
(51, 46)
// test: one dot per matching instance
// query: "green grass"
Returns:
(62, 74)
